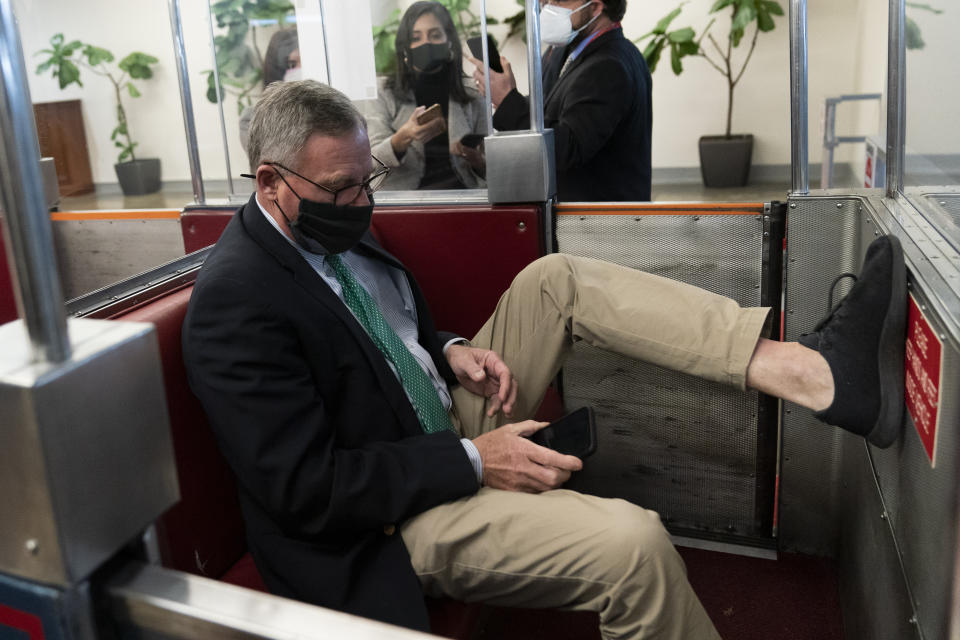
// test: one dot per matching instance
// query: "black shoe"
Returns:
(862, 340)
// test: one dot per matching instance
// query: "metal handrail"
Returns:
(830, 139)
(21, 187)
(534, 70)
(799, 124)
(186, 101)
(896, 96)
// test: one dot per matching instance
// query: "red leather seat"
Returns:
(8, 304)
(462, 274)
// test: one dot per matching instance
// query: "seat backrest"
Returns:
(203, 533)
(463, 256)
(8, 303)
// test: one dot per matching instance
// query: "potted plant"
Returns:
(724, 160)
(137, 176)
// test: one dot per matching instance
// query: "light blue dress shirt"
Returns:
(389, 288)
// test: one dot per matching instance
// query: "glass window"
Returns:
(933, 93)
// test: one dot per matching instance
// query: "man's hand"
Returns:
(483, 373)
(500, 83)
(514, 463)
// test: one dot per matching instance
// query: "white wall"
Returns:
(847, 54)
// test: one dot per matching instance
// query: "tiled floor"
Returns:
(176, 198)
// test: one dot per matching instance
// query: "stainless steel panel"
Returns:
(152, 602)
(921, 501)
(521, 167)
(670, 442)
(90, 462)
(823, 240)
(874, 598)
(92, 254)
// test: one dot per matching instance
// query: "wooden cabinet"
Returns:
(60, 129)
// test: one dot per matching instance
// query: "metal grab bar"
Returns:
(799, 125)
(21, 187)
(534, 71)
(173, 604)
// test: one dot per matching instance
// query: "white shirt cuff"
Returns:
(475, 459)
(462, 341)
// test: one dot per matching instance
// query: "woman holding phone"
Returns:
(418, 123)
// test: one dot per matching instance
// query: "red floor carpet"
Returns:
(793, 598)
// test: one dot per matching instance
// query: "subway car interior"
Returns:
(120, 517)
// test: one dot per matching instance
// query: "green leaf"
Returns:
(653, 51)
(675, 63)
(68, 74)
(70, 48)
(682, 35)
(746, 14)
(924, 7)
(137, 64)
(689, 48)
(773, 7)
(44, 66)
(736, 36)
(666, 20)
(765, 21)
(720, 4)
(914, 36)
(134, 93)
(96, 55)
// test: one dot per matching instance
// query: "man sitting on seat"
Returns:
(379, 459)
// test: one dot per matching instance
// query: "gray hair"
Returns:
(289, 113)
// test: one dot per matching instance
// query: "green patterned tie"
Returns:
(426, 402)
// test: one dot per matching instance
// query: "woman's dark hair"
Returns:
(402, 81)
(282, 44)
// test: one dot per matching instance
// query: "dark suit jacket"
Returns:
(601, 114)
(327, 450)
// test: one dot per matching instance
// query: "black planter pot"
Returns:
(139, 177)
(725, 162)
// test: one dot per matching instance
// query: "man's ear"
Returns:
(267, 181)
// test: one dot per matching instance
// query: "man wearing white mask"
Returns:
(596, 88)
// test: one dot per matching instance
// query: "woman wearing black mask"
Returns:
(429, 71)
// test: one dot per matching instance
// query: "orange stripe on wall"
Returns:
(698, 209)
(151, 214)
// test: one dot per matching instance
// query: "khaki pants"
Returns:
(561, 549)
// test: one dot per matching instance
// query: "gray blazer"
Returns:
(386, 115)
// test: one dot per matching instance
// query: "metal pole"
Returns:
(896, 97)
(186, 101)
(486, 66)
(799, 124)
(223, 121)
(326, 42)
(533, 66)
(21, 187)
(829, 143)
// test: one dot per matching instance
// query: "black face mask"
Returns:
(430, 57)
(325, 228)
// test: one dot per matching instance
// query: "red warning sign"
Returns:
(924, 370)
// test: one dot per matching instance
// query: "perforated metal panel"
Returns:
(823, 240)
(682, 446)
(950, 203)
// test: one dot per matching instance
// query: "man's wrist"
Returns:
(455, 341)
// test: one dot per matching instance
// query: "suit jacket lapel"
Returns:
(576, 62)
(272, 241)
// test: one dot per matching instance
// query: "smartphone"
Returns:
(432, 113)
(475, 45)
(472, 140)
(574, 434)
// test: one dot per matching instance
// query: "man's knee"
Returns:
(636, 537)
(554, 271)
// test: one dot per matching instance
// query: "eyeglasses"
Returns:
(344, 195)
